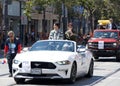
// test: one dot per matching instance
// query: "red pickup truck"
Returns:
(105, 43)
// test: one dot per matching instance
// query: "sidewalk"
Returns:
(1, 55)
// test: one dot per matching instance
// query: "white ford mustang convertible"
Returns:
(53, 59)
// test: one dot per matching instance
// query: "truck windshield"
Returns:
(101, 34)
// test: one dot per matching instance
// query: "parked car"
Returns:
(53, 59)
(105, 43)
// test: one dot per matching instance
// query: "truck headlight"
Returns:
(66, 62)
(90, 43)
(114, 44)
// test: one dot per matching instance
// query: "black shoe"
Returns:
(10, 75)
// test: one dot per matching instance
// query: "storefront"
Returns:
(14, 17)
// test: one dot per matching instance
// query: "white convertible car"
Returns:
(53, 59)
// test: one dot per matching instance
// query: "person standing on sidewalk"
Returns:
(56, 33)
(12, 47)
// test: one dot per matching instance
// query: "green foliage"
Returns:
(101, 9)
(40, 4)
(28, 8)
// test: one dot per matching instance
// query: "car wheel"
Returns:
(73, 73)
(96, 57)
(19, 80)
(90, 72)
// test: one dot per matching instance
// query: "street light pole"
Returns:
(44, 20)
(64, 19)
(6, 23)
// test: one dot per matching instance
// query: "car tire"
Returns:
(91, 68)
(19, 80)
(72, 78)
(96, 57)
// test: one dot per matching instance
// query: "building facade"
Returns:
(39, 25)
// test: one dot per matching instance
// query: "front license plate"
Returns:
(36, 71)
(101, 45)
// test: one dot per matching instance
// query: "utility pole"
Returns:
(44, 20)
(64, 19)
(5, 17)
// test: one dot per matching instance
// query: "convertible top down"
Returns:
(53, 59)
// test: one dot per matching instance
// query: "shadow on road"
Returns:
(83, 81)
(106, 59)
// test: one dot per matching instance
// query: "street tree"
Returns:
(93, 9)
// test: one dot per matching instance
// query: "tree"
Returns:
(28, 8)
(39, 6)
(96, 9)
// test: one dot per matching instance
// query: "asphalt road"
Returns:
(106, 73)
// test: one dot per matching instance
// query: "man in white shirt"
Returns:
(112, 25)
(56, 33)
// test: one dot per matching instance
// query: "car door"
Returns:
(79, 63)
(84, 60)
(83, 54)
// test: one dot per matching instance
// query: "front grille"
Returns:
(41, 76)
(106, 45)
(44, 65)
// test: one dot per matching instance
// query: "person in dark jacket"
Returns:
(12, 47)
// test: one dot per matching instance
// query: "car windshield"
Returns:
(53, 46)
(101, 34)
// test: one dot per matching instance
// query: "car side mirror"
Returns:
(26, 49)
(80, 50)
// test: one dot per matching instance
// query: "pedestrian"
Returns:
(33, 36)
(12, 47)
(26, 39)
(70, 34)
(111, 25)
(56, 33)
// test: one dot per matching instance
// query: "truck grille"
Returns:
(45, 65)
(106, 45)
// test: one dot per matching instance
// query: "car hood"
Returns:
(47, 56)
(102, 39)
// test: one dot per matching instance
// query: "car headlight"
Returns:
(114, 44)
(66, 62)
(16, 61)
